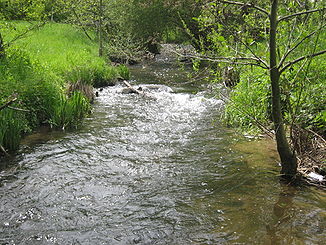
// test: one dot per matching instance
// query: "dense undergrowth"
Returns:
(303, 99)
(51, 72)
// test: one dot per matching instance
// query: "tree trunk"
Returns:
(2, 48)
(288, 157)
(100, 30)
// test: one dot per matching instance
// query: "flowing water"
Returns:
(157, 169)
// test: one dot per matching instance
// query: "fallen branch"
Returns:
(8, 103)
(132, 88)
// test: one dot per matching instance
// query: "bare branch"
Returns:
(256, 56)
(21, 35)
(8, 103)
(18, 109)
(80, 24)
(288, 64)
(230, 60)
(298, 44)
(300, 13)
(245, 4)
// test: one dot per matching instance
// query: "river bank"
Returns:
(47, 77)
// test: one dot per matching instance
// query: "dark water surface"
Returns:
(153, 170)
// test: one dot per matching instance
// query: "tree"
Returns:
(275, 63)
(2, 48)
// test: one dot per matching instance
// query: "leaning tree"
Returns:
(271, 18)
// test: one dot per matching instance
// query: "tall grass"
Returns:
(70, 110)
(66, 51)
(11, 125)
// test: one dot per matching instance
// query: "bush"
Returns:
(249, 106)
(36, 89)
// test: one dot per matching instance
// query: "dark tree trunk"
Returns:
(100, 30)
(2, 48)
(288, 157)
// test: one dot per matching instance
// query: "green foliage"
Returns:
(22, 9)
(305, 92)
(232, 30)
(123, 72)
(249, 106)
(96, 75)
(37, 89)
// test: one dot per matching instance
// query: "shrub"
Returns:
(249, 106)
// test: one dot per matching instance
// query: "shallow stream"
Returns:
(157, 169)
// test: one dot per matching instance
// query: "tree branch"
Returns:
(230, 60)
(80, 24)
(295, 46)
(256, 56)
(25, 32)
(300, 59)
(300, 13)
(245, 4)
(8, 103)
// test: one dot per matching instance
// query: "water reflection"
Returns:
(283, 212)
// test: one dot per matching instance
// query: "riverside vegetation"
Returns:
(51, 72)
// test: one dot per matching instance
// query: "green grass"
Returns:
(58, 46)
(64, 48)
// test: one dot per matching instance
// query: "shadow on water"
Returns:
(153, 171)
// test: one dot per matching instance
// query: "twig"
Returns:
(256, 56)
(24, 33)
(81, 25)
(300, 13)
(246, 4)
(295, 46)
(300, 59)
(317, 135)
(18, 109)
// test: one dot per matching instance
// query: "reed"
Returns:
(70, 110)
(11, 125)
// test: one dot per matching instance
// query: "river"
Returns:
(157, 169)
